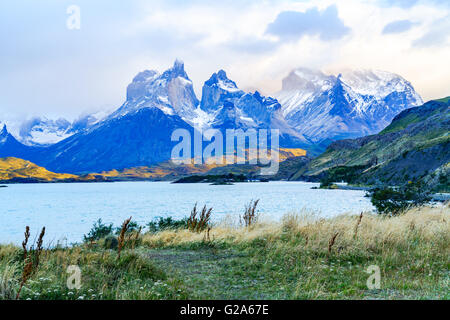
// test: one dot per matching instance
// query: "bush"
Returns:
(98, 231)
(132, 227)
(160, 224)
(349, 174)
(393, 201)
(325, 183)
(111, 242)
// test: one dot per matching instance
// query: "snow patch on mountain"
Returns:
(3, 133)
(172, 92)
(45, 131)
(352, 104)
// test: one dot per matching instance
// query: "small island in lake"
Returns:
(222, 179)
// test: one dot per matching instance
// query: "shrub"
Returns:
(325, 183)
(111, 242)
(99, 230)
(160, 224)
(349, 174)
(393, 201)
(132, 227)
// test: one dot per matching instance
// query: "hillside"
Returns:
(169, 171)
(415, 146)
(18, 170)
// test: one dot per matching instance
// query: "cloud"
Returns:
(437, 35)
(292, 25)
(406, 4)
(66, 72)
(253, 46)
(398, 26)
(399, 3)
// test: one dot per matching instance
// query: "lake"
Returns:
(68, 210)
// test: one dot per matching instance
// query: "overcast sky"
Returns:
(48, 69)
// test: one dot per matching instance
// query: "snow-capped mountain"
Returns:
(232, 108)
(217, 90)
(353, 104)
(44, 131)
(136, 134)
(312, 110)
(139, 138)
(172, 92)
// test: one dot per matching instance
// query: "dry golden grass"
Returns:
(14, 168)
(17, 168)
(302, 256)
(121, 239)
(199, 221)
(430, 224)
(316, 258)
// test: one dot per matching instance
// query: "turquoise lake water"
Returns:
(69, 210)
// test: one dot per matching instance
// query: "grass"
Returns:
(445, 100)
(301, 257)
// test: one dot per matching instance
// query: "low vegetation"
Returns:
(250, 217)
(394, 201)
(301, 257)
(199, 221)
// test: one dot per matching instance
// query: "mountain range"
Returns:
(326, 108)
(311, 111)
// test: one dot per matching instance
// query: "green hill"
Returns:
(415, 146)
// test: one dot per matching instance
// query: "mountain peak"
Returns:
(145, 76)
(217, 89)
(4, 131)
(307, 80)
(221, 80)
(347, 105)
(378, 83)
(177, 70)
(178, 64)
(222, 75)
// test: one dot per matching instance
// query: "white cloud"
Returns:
(48, 69)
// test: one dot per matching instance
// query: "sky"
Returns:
(51, 67)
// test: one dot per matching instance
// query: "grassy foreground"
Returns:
(302, 257)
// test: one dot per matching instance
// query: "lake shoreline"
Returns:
(296, 258)
(71, 209)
